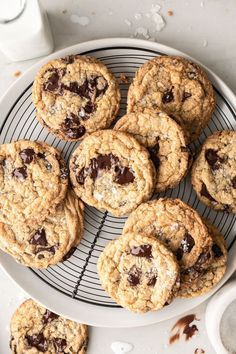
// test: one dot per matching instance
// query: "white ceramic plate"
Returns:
(72, 288)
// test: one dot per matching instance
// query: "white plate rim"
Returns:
(24, 279)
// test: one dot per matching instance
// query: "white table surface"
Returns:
(203, 29)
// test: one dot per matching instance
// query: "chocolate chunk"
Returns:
(20, 173)
(168, 96)
(153, 155)
(52, 83)
(213, 159)
(41, 155)
(185, 247)
(234, 182)
(124, 175)
(187, 243)
(80, 177)
(38, 341)
(47, 249)
(185, 96)
(134, 276)
(75, 133)
(204, 192)
(152, 280)
(27, 155)
(69, 254)
(86, 111)
(59, 345)
(3, 162)
(72, 127)
(105, 162)
(217, 251)
(142, 251)
(39, 238)
(49, 317)
(81, 90)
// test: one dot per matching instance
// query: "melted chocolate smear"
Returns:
(213, 159)
(69, 254)
(76, 133)
(152, 281)
(27, 155)
(20, 172)
(134, 276)
(39, 238)
(153, 155)
(49, 317)
(168, 96)
(124, 175)
(38, 341)
(186, 95)
(59, 345)
(182, 326)
(217, 251)
(234, 182)
(185, 247)
(72, 127)
(88, 89)
(142, 251)
(204, 192)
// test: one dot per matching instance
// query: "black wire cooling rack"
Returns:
(77, 277)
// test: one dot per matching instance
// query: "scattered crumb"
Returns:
(128, 22)
(93, 13)
(17, 73)
(142, 32)
(170, 13)
(199, 351)
(137, 16)
(205, 43)
(123, 79)
(64, 12)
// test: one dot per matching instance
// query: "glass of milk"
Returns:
(24, 30)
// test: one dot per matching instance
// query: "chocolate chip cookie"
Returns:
(178, 87)
(74, 96)
(195, 281)
(47, 243)
(33, 181)
(138, 272)
(35, 329)
(214, 171)
(111, 171)
(178, 226)
(164, 139)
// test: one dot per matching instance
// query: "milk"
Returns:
(28, 35)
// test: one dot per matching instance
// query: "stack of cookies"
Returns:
(166, 249)
(41, 220)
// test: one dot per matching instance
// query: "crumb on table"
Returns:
(64, 12)
(17, 73)
(170, 13)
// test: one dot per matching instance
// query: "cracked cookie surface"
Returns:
(35, 329)
(195, 282)
(111, 171)
(138, 272)
(74, 96)
(164, 139)
(178, 226)
(178, 87)
(45, 244)
(33, 181)
(214, 171)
